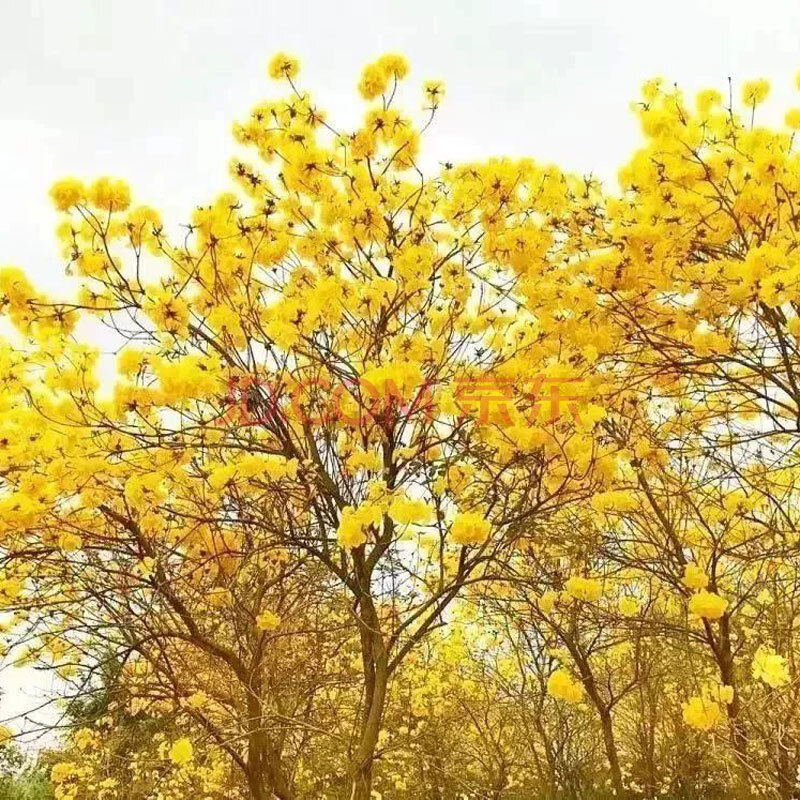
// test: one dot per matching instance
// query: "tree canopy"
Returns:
(384, 482)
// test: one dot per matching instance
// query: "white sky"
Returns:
(146, 90)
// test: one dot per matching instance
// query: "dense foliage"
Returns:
(478, 484)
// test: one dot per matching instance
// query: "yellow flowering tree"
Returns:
(485, 476)
(323, 393)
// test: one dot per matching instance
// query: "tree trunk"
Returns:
(361, 766)
(375, 662)
(265, 776)
(548, 775)
(739, 736)
(611, 753)
(603, 709)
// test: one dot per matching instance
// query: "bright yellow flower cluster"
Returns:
(694, 577)
(561, 686)
(283, 65)
(770, 667)
(588, 589)
(354, 524)
(181, 752)
(701, 713)
(470, 528)
(708, 605)
(376, 77)
(268, 621)
(628, 606)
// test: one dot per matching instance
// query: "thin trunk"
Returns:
(739, 737)
(265, 776)
(604, 711)
(550, 778)
(611, 752)
(376, 678)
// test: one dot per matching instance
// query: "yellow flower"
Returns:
(145, 567)
(16, 288)
(10, 588)
(547, 602)
(267, 621)
(69, 542)
(701, 713)
(434, 92)
(197, 700)
(397, 380)
(765, 598)
(350, 532)
(67, 193)
(109, 194)
(725, 693)
(707, 605)
(628, 606)
(793, 326)
(587, 589)
(218, 597)
(393, 64)
(793, 118)
(708, 99)
(169, 312)
(755, 92)
(91, 264)
(85, 738)
(181, 752)
(613, 501)
(407, 511)
(365, 459)
(130, 360)
(651, 89)
(770, 667)
(470, 528)
(561, 686)
(62, 772)
(694, 577)
(143, 223)
(353, 524)
(282, 65)
(373, 81)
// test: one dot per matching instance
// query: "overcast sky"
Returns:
(146, 90)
